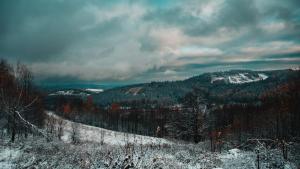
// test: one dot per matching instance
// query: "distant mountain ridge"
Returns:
(234, 85)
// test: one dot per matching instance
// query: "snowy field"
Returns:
(95, 134)
(121, 150)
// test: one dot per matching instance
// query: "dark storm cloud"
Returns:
(42, 30)
(128, 40)
(39, 30)
(232, 14)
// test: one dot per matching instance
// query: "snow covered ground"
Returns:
(7, 155)
(121, 150)
(96, 134)
(37, 153)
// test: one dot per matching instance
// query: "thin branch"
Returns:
(20, 95)
(33, 101)
(30, 124)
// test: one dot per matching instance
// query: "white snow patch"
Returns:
(7, 157)
(295, 68)
(68, 93)
(240, 78)
(262, 76)
(93, 134)
(134, 91)
(234, 152)
(213, 79)
(238, 159)
(95, 90)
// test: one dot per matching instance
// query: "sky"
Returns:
(148, 40)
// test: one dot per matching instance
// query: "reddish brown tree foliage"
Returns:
(20, 104)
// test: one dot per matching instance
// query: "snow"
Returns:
(237, 159)
(8, 157)
(62, 93)
(94, 134)
(295, 68)
(69, 93)
(134, 91)
(262, 76)
(234, 152)
(95, 90)
(81, 92)
(122, 149)
(213, 79)
(36, 152)
(240, 78)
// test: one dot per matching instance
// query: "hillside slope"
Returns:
(88, 133)
(235, 85)
(36, 152)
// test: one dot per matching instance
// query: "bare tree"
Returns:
(60, 128)
(50, 124)
(14, 108)
(102, 135)
(15, 99)
(74, 133)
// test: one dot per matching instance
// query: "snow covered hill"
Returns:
(141, 152)
(96, 134)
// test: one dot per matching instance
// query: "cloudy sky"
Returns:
(146, 40)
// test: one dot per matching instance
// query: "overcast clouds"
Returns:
(90, 40)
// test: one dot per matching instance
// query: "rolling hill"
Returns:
(230, 86)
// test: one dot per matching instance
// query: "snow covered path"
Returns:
(96, 134)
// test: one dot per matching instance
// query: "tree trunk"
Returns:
(13, 133)
(258, 165)
(211, 143)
